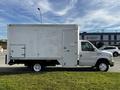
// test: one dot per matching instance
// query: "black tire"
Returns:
(102, 66)
(115, 54)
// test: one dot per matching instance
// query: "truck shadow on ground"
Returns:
(85, 69)
(25, 70)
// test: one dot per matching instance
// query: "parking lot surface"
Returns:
(116, 67)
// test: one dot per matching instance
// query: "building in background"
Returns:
(3, 43)
(104, 38)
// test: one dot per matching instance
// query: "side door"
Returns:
(87, 54)
(70, 47)
(17, 51)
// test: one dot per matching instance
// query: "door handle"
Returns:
(80, 55)
(68, 50)
(65, 47)
(12, 51)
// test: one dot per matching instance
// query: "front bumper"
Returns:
(112, 64)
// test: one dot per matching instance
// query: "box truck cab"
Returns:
(40, 45)
(89, 55)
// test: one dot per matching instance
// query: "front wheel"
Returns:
(103, 66)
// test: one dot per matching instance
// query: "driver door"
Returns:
(88, 55)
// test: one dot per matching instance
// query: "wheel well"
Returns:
(31, 62)
(115, 52)
(102, 60)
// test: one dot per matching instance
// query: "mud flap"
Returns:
(5, 59)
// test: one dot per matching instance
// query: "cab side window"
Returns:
(85, 46)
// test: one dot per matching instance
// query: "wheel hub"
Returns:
(37, 67)
(102, 67)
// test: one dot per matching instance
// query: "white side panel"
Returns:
(49, 43)
(27, 37)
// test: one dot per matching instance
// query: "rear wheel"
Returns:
(102, 66)
(37, 67)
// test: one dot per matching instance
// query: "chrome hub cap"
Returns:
(37, 67)
(102, 67)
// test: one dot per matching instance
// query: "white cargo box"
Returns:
(43, 42)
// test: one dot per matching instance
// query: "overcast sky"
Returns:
(91, 15)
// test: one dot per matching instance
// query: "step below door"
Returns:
(17, 51)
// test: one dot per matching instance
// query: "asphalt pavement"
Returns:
(116, 67)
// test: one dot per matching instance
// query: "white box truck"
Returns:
(40, 45)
